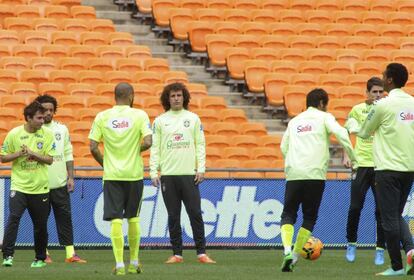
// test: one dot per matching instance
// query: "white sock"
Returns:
(134, 262)
(120, 265)
(295, 257)
(287, 250)
(200, 255)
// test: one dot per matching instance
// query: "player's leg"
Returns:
(359, 187)
(293, 198)
(38, 207)
(60, 201)
(17, 206)
(132, 211)
(192, 203)
(114, 197)
(312, 197)
(388, 190)
(172, 199)
(380, 248)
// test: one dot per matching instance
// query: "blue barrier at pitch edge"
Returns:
(236, 213)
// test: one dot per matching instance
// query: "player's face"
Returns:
(376, 93)
(176, 100)
(50, 112)
(37, 121)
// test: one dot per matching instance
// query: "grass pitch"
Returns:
(231, 264)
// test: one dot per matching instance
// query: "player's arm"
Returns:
(155, 153)
(68, 152)
(147, 132)
(45, 159)
(284, 144)
(96, 153)
(342, 135)
(8, 152)
(353, 124)
(371, 123)
(200, 149)
(11, 157)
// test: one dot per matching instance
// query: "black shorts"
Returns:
(122, 199)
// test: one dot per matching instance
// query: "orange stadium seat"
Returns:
(217, 141)
(402, 56)
(261, 15)
(120, 38)
(271, 141)
(340, 116)
(365, 30)
(251, 128)
(46, 24)
(213, 102)
(227, 163)
(73, 102)
(235, 58)
(220, 4)
(265, 153)
(355, 5)
(255, 163)
(106, 90)
(282, 28)
(62, 76)
(312, 67)
(161, 11)
(351, 92)
(14, 102)
(233, 115)
(75, 25)
(102, 25)
(405, 6)
(90, 76)
(152, 102)
(254, 28)
(6, 11)
(321, 55)
(100, 64)
(406, 43)
(23, 88)
(247, 4)
(25, 50)
(357, 42)
(27, 11)
(197, 89)
(340, 67)
(368, 68)
(33, 76)
(273, 83)
(9, 37)
(347, 17)
(373, 17)
(147, 77)
(292, 16)
(393, 30)
(156, 64)
(197, 35)
(284, 66)
(4, 89)
(129, 64)
(144, 6)
(213, 153)
(294, 97)
(376, 55)
(52, 88)
(116, 77)
(303, 5)
(224, 128)
(72, 64)
(8, 76)
(358, 80)
(112, 52)
(82, 51)
(65, 115)
(216, 46)
(4, 50)
(401, 18)
(332, 80)
(192, 4)
(14, 63)
(318, 16)
(18, 24)
(275, 4)
(302, 42)
(342, 104)
(266, 54)
(56, 11)
(303, 79)
(237, 15)
(80, 89)
(140, 90)
(175, 77)
(236, 153)
(179, 19)
(292, 54)
(338, 29)
(254, 71)
(382, 6)
(43, 63)
(9, 114)
(93, 38)
(274, 41)
(77, 140)
(85, 12)
(56, 51)
(207, 115)
(348, 55)
(4, 126)
(309, 29)
(100, 102)
(80, 127)
(88, 114)
(384, 43)
(208, 14)
(245, 141)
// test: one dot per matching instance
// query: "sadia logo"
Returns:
(304, 128)
(406, 116)
(120, 124)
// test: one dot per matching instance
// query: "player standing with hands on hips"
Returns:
(391, 120)
(178, 154)
(305, 147)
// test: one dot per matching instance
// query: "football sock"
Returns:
(134, 238)
(117, 238)
(70, 251)
(301, 239)
(287, 237)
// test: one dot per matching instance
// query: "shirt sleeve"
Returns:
(371, 123)
(200, 146)
(8, 147)
(341, 135)
(50, 145)
(67, 146)
(284, 144)
(155, 149)
(146, 126)
(96, 131)
(352, 124)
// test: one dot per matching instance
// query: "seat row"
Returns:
(13, 37)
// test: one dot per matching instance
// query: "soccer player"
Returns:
(61, 181)
(178, 154)
(364, 174)
(30, 148)
(305, 147)
(391, 120)
(125, 132)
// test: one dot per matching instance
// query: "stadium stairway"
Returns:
(177, 60)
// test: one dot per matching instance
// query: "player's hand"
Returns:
(199, 177)
(23, 151)
(156, 182)
(346, 161)
(70, 185)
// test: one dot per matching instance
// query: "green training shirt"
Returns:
(178, 146)
(363, 147)
(305, 144)
(121, 129)
(29, 176)
(391, 120)
(58, 173)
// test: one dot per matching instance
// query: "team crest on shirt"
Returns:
(12, 194)
(39, 145)
(187, 123)
(58, 136)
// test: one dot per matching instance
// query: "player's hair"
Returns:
(46, 98)
(123, 91)
(315, 96)
(31, 109)
(374, 81)
(165, 96)
(398, 73)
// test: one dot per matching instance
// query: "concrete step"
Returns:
(96, 3)
(135, 29)
(115, 15)
(271, 124)
(173, 58)
(252, 111)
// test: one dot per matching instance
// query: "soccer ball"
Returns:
(312, 249)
